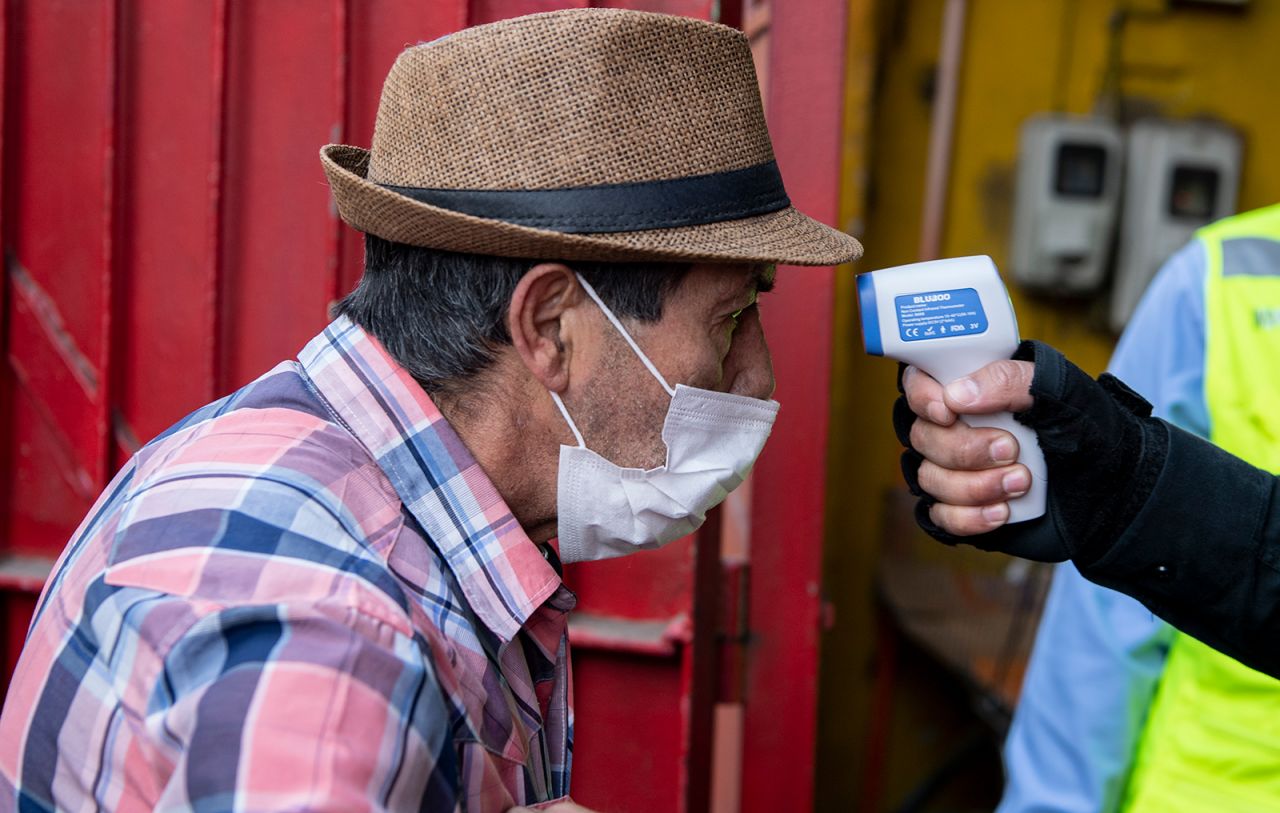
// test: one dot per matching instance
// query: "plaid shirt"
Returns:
(306, 595)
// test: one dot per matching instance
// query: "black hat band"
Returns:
(691, 201)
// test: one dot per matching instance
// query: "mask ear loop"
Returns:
(591, 292)
(555, 396)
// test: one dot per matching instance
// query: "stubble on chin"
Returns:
(625, 408)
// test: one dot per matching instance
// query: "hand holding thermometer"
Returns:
(950, 318)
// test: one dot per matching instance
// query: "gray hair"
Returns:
(442, 316)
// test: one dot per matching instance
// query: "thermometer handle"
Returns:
(1031, 504)
(949, 318)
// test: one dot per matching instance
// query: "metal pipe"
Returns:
(112, 266)
(217, 160)
(341, 50)
(942, 129)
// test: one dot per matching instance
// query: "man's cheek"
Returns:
(710, 373)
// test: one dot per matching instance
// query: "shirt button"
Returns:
(1164, 573)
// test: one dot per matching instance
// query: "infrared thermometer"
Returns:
(950, 318)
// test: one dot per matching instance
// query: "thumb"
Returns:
(1002, 386)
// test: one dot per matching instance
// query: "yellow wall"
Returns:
(1020, 57)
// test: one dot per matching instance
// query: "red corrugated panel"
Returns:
(378, 31)
(627, 733)
(59, 232)
(165, 335)
(275, 206)
(170, 236)
(661, 577)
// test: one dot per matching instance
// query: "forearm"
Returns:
(1204, 552)
(1139, 506)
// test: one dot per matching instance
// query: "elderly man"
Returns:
(339, 588)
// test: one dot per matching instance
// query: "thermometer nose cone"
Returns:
(870, 315)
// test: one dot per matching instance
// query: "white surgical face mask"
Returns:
(712, 438)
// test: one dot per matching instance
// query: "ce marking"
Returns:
(912, 332)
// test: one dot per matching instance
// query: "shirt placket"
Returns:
(547, 629)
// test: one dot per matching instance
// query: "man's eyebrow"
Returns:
(760, 281)
(762, 277)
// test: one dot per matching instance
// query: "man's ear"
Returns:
(544, 295)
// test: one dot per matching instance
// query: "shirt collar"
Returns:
(503, 575)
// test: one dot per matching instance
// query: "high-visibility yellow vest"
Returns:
(1212, 739)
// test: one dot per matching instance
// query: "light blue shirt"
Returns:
(1099, 654)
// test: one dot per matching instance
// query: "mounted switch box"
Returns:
(1065, 203)
(1180, 176)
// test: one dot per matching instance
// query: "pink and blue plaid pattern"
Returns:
(305, 596)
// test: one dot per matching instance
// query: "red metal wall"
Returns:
(168, 236)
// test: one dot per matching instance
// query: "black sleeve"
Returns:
(1103, 451)
(1203, 553)
(1144, 508)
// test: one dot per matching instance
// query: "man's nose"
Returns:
(757, 382)
(749, 366)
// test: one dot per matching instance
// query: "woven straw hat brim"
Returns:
(784, 237)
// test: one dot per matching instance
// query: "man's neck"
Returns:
(514, 449)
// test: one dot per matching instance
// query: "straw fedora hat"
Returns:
(589, 134)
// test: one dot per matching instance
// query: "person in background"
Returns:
(1119, 711)
(340, 587)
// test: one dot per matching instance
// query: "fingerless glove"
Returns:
(1103, 452)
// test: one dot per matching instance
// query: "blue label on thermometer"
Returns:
(940, 314)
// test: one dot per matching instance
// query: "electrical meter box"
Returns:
(1180, 176)
(1065, 203)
